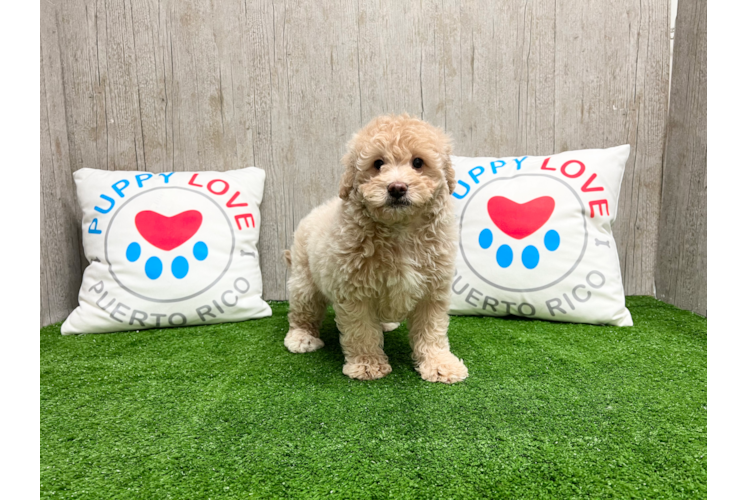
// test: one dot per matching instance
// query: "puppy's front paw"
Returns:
(388, 327)
(366, 367)
(302, 341)
(443, 367)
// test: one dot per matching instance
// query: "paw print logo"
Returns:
(169, 244)
(179, 266)
(519, 220)
(517, 241)
(167, 233)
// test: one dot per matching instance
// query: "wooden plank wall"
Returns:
(163, 85)
(681, 258)
(61, 258)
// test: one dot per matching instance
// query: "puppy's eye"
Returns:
(417, 163)
(378, 164)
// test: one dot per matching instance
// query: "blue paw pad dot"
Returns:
(485, 238)
(153, 268)
(552, 240)
(530, 257)
(200, 250)
(179, 267)
(504, 256)
(133, 252)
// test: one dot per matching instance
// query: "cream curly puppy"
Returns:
(383, 252)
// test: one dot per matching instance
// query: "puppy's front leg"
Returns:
(428, 338)
(362, 340)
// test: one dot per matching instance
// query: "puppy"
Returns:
(383, 252)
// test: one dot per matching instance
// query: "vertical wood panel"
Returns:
(612, 61)
(59, 230)
(681, 258)
(163, 85)
(47, 165)
(315, 107)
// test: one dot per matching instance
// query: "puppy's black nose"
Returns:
(397, 189)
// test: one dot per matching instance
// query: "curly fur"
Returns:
(379, 260)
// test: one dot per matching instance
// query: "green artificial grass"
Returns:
(550, 410)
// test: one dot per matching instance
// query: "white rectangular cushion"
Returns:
(535, 237)
(168, 249)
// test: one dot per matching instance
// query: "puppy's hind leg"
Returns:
(307, 308)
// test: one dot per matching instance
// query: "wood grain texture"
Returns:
(60, 233)
(611, 88)
(681, 258)
(163, 85)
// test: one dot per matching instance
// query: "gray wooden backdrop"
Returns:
(681, 260)
(163, 85)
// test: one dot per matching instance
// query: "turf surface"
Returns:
(550, 410)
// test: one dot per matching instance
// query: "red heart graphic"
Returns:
(168, 233)
(519, 220)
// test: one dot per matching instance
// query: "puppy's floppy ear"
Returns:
(449, 172)
(346, 182)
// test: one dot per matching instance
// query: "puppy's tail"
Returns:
(287, 257)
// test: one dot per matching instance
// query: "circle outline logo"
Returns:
(179, 299)
(535, 289)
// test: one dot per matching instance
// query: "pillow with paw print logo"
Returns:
(535, 237)
(168, 249)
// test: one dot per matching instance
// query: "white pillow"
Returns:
(168, 249)
(535, 237)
